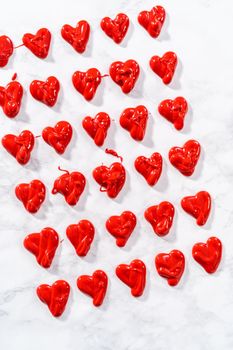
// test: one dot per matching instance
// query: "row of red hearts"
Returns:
(168, 265)
(78, 37)
(124, 74)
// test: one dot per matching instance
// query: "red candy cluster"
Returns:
(111, 179)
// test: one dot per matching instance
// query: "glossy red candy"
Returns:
(70, 185)
(121, 227)
(81, 236)
(134, 120)
(174, 111)
(77, 37)
(111, 179)
(170, 266)
(160, 217)
(46, 92)
(39, 43)
(32, 195)
(164, 66)
(20, 146)
(134, 275)
(95, 286)
(116, 28)
(152, 20)
(43, 245)
(125, 74)
(10, 98)
(150, 168)
(208, 254)
(198, 206)
(86, 83)
(58, 137)
(185, 158)
(6, 50)
(97, 127)
(55, 296)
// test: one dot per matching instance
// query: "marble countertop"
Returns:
(198, 313)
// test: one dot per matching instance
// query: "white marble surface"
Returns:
(198, 313)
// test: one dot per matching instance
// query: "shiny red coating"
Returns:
(125, 74)
(38, 43)
(6, 50)
(116, 28)
(170, 266)
(77, 37)
(160, 217)
(97, 127)
(152, 20)
(174, 111)
(32, 195)
(208, 254)
(10, 98)
(86, 83)
(134, 120)
(58, 137)
(46, 92)
(121, 227)
(198, 206)
(164, 66)
(20, 146)
(150, 168)
(81, 236)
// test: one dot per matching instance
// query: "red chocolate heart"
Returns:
(6, 50)
(111, 179)
(32, 195)
(46, 92)
(43, 245)
(70, 185)
(20, 146)
(164, 66)
(78, 36)
(10, 98)
(116, 28)
(81, 236)
(86, 83)
(198, 206)
(170, 266)
(121, 227)
(208, 254)
(150, 168)
(174, 111)
(185, 158)
(95, 286)
(58, 137)
(125, 74)
(160, 217)
(134, 275)
(152, 20)
(134, 120)
(97, 127)
(55, 296)
(39, 43)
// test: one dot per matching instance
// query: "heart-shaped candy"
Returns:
(6, 50)
(95, 286)
(43, 245)
(10, 98)
(111, 179)
(134, 120)
(185, 158)
(46, 92)
(97, 127)
(208, 254)
(164, 66)
(20, 146)
(174, 111)
(121, 227)
(32, 195)
(160, 217)
(81, 236)
(59, 136)
(70, 185)
(116, 28)
(198, 206)
(39, 43)
(78, 36)
(152, 20)
(86, 83)
(133, 275)
(150, 168)
(125, 74)
(54, 296)
(170, 266)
